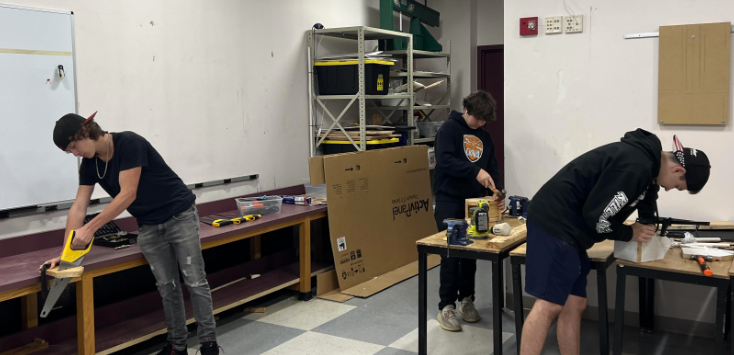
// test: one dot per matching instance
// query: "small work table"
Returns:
(496, 250)
(601, 256)
(671, 268)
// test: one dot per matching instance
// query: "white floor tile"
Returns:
(312, 343)
(471, 340)
(302, 315)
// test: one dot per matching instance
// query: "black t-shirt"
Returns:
(161, 193)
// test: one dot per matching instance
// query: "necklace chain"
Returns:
(107, 161)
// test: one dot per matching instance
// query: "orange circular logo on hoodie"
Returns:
(473, 147)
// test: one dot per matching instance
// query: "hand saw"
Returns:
(69, 258)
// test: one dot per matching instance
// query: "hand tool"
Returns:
(702, 261)
(456, 233)
(479, 227)
(69, 258)
(500, 195)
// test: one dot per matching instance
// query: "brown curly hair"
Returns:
(481, 105)
(89, 130)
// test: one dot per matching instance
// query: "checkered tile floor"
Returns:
(386, 324)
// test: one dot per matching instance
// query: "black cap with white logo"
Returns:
(696, 164)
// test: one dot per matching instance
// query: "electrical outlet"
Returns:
(554, 24)
(574, 24)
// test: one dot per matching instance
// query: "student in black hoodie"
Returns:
(465, 168)
(587, 202)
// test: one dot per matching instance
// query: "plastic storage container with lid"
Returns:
(341, 77)
(259, 205)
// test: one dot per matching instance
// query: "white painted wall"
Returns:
(218, 87)
(568, 93)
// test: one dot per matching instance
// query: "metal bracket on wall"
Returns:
(651, 34)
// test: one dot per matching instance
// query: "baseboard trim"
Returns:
(632, 319)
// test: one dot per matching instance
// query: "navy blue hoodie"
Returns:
(589, 199)
(461, 152)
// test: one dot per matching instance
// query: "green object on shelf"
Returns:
(419, 14)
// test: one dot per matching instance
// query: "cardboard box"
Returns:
(380, 204)
(638, 252)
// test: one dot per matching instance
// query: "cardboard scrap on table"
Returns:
(638, 252)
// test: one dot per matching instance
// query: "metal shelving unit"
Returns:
(360, 34)
(410, 75)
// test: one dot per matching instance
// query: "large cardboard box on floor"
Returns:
(380, 204)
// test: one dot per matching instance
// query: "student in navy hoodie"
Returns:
(587, 202)
(465, 168)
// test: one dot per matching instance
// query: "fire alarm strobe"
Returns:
(528, 26)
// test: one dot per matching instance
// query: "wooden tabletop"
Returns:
(674, 262)
(22, 270)
(518, 236)
(600, 252)
(731, 270)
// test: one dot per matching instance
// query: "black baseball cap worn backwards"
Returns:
(67, 127)
(696, 163)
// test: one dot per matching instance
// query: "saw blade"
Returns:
(58, 287)
(53, 295)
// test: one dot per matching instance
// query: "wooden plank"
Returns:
(85, 315)
(36, 345)
(304, 237)
(256, 309)
(29, 310)
(73, 272)
(519, 234)
(673, 262)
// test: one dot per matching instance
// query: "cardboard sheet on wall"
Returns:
(380, 204)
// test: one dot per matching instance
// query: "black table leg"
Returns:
(496, 305)
(731, 310)
(517, 294)
(601, 282)
(619, 310)
(642, 282)
(650, 307)
(422, 304)
(722, 291)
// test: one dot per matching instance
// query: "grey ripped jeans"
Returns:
(167, 247)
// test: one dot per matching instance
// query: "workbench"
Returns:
(671, 268)
(20, 278)
(496, 250)
(601, 256)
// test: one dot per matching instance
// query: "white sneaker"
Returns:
(448, 320)
(468, 311)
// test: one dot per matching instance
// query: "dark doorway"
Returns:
(491, 68)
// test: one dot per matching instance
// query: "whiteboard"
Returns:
(33, 43)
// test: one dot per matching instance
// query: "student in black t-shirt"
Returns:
(139, 180)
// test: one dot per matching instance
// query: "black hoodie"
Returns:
(461, 152)
(591, 197)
